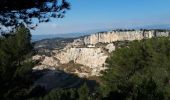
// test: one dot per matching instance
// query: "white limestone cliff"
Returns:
(112, 36)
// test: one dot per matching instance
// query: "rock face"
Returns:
(89, 57)
(108, 37)
(112, 36)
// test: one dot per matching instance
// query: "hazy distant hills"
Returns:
(167, 27)
(67, 35)
(51, 36)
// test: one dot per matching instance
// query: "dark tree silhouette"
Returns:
(16, 12)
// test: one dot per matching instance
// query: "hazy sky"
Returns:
(89, 15)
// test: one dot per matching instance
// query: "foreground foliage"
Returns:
(139, 71)
(16, 12)
(15, 64)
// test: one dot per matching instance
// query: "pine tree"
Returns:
(15, 64)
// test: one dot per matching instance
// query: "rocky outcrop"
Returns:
(93, 58)
(45, 62)
(110, 47)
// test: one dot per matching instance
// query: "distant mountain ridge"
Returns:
(166, 27)
(51, 36)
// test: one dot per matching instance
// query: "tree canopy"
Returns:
(16, 12)
(139, 71)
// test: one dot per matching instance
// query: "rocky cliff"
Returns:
(112, 36)
(94, 58)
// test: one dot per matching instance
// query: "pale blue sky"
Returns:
(89, 15)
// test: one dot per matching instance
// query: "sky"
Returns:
(91, 15)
